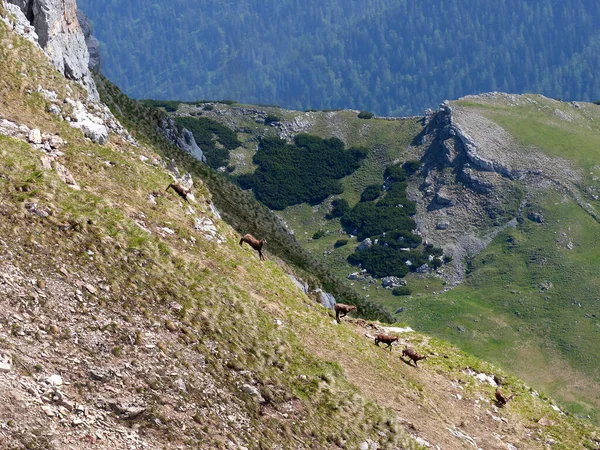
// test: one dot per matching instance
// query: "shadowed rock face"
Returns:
(61, 36)
(93, 45)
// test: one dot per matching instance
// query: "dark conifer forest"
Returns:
(389, 57)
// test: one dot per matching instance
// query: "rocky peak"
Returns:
(60, 35)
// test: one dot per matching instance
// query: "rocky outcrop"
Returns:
(59, 34)
(325, 299)
(93, 44)
(183, 139)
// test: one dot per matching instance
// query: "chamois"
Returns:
(182, 191)
(501, 398)
(388, 339)
(413, 355)
(254, 243)
(341, 310)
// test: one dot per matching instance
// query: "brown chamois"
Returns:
(501, 398)
(388, 339)
(341, 310)
(254, 243)
(182, 191)
(413, 355)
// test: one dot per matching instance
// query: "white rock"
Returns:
(35, 136)
(5, 364)
(96, 132)
(55, 380)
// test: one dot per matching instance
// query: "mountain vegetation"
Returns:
(508, 217)
(130, 318)
(123, 323)
(391, 58)
(303, 172)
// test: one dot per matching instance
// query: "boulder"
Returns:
(325, 299)
(423, 269)
(535, 217)
(35, 136)
(367, 243)
(96, 132)
(300, 283)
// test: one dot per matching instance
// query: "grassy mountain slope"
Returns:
(531, 291)
(165, 336)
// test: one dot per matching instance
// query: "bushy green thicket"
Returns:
(370, 193)
(386, 220)
(207, 132)
(272, 118)
(402, 290)
(371, 220)
(169, 105)
(244, 180)
(340, 207)
(240, 209)
(340, 243)
(365, 115)
(306, 171)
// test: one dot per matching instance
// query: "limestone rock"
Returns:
(5, 364)
(254, 392)
(392, 282)
(93, 45)
(35, 136)
(55, 380)
(65, 175)
(187, 143)
(96, 132)
(300, 283)
(367, 243)
(60, 35)
(184, 140)
(325, 299)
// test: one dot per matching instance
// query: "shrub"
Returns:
(244, 180)
(381, 261)
(395, 173)
(365, 115)
(340, 243)
(340, 207)
(447, 259)
(435, 264)
(272, 118)
(217, 157)
(370, 193)
(402, 290)
(168, 105)
(208, 107)
(319, 234)
(305, 171)
(412, 166)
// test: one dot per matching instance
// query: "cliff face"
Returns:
(60, 35)
(93, 45)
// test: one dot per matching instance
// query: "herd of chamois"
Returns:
(341, 309)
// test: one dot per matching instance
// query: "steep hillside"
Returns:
(508, 187)
(133, 319)
(393, 58)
